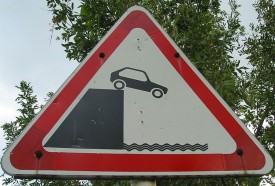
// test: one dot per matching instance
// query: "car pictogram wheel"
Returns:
(119, 84)
(157, 93)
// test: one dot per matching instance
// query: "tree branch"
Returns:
(259, 130)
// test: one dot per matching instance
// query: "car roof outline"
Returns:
(134, 70)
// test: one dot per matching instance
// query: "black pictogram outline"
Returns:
(120, 82)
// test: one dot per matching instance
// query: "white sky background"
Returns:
(27, 53)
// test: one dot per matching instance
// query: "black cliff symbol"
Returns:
(121, 81)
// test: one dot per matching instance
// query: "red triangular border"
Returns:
(21, 160)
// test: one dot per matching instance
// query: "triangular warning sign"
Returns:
(136, 106)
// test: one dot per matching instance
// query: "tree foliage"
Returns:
(259, 86)
(28, 107)
(207, 35)
(260, 49)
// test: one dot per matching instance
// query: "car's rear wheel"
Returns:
(157, 93)
(119, 84)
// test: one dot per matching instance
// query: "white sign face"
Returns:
(178, 122)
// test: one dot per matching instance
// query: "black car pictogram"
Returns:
(126, 77)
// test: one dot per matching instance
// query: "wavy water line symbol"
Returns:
(166, 146)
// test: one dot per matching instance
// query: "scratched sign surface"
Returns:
(140, 121)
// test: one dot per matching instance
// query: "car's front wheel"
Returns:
(119, 84)
(157, 93)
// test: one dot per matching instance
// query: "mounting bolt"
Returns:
(101, 55)
(240, 152)
(38, 154)
(177, 55)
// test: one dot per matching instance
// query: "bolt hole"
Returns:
(101, 55)
(240, 152)
(177, 55)
(38, 154)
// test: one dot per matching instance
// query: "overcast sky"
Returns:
(28, 53)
